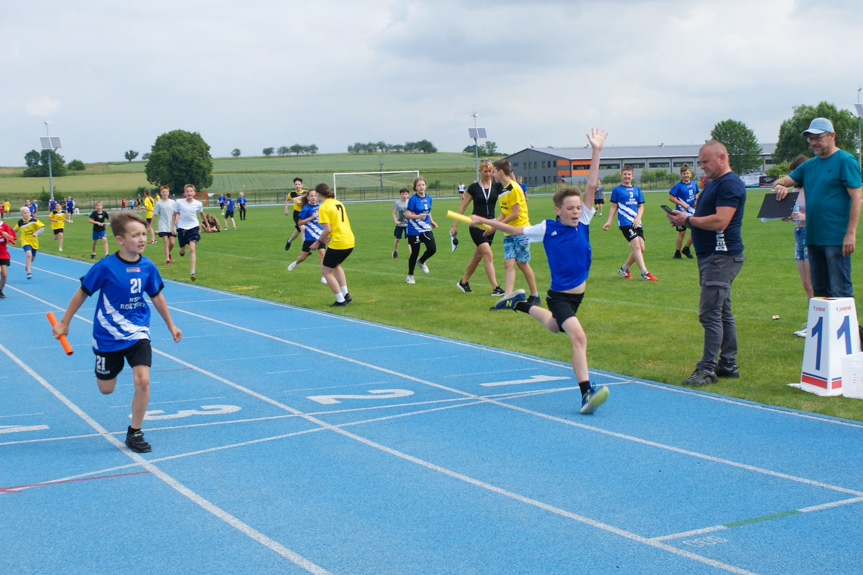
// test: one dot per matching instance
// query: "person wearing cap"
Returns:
(832, 180)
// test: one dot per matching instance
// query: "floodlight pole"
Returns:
(50, 161)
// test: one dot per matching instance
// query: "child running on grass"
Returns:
(121, 326)
(308, 220)
(98, 217)
(420, 225)
(400, 208)
(567, 246)
(627, 202)
(337, 233)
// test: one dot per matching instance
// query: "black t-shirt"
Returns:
(99, 217)
(484, 200)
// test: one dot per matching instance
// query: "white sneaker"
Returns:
(800, 332)
(291, 266)
(410, 279)
(323, 280)
(424, 268)
(61, 249)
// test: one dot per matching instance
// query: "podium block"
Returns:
(831, 334)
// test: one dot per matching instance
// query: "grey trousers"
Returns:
(715, 274)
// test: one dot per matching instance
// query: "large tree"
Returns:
(37, 164)
(744, 153)
(179, 158)
(791, 141)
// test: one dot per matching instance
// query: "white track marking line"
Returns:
(470, 480)
(218, 512)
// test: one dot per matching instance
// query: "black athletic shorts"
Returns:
(563, 305)
(334, 258)
(110, 363)
(478, 237)
(630, 233)
(307, 246)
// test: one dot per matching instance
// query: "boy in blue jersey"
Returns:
(683, 195)
(567, 246)
(627, 202)
(229, 213)
(312, 228)
(121, 326)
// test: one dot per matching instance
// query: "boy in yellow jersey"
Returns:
(339, 239)
(58, 218)
(295, 198)
(148, 214)
(516, 249)
(30, 229)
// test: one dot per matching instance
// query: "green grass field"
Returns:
(643, 329)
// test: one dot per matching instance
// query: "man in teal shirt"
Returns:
(832, 181)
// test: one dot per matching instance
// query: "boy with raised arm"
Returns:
(567, 246)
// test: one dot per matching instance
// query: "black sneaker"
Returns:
(135, 442)
(287, 245)
(92, 256)
(339, 304)
(464, 287)
(348, 298)
(395, 255)
(727, 371)
(2, 295)
(677, 256)
(497, 292)
(534, 300)
(700, 378)
(687, 253)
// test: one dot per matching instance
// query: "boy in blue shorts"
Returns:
(121, 326)
(98, 219)
(567, 245)
(627, 202)
(683, 196)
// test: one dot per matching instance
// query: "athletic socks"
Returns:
(584, 386)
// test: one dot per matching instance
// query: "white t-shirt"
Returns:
(188, 213)
(164, 210)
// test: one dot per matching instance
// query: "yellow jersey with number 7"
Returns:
(333, 212)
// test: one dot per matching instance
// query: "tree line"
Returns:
(421, 147)
(180, 157)
(296, 149)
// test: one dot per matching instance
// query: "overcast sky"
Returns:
(111, 76)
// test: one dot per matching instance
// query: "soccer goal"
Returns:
(372, 185)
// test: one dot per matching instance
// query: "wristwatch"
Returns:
(686, 223)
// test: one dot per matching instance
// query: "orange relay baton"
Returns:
(63, 341)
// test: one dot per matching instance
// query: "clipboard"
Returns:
(774, 210)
